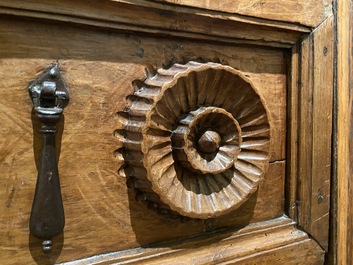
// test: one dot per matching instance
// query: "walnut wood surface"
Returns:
(98, 66)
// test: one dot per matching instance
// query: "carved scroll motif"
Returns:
(196, 139)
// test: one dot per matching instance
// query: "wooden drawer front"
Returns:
(99, 66)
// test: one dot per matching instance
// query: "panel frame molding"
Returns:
(270, 240)
(163, 20)
(310, 105)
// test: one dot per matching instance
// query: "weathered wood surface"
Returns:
(270, 242)
(315, 99)
(309, 13)
(101, 214)
(344, 157)
(155, 18)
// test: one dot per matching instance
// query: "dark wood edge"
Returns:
(292, 133)
(256, 240)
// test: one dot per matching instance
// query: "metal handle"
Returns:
(49, 96)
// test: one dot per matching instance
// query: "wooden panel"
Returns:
(344, 139)
(98, 66)
(315, 131)
(273, 242)
(310, 13)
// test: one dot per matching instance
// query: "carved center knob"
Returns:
(209, 142)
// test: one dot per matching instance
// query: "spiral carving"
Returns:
(196, 139)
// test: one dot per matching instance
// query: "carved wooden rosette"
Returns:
(196, 139)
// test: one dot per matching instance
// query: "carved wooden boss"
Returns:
(196, 140)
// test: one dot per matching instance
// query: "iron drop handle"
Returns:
(49, 96)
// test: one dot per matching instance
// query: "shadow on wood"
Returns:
(36, 249)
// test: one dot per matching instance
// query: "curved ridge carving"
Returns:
(196, 139)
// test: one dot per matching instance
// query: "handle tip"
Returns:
(47, 246)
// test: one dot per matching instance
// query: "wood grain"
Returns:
(343, 249)
(101, 213)
(310, 13)
(315, 131)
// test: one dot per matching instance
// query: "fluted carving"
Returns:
(196, 139)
